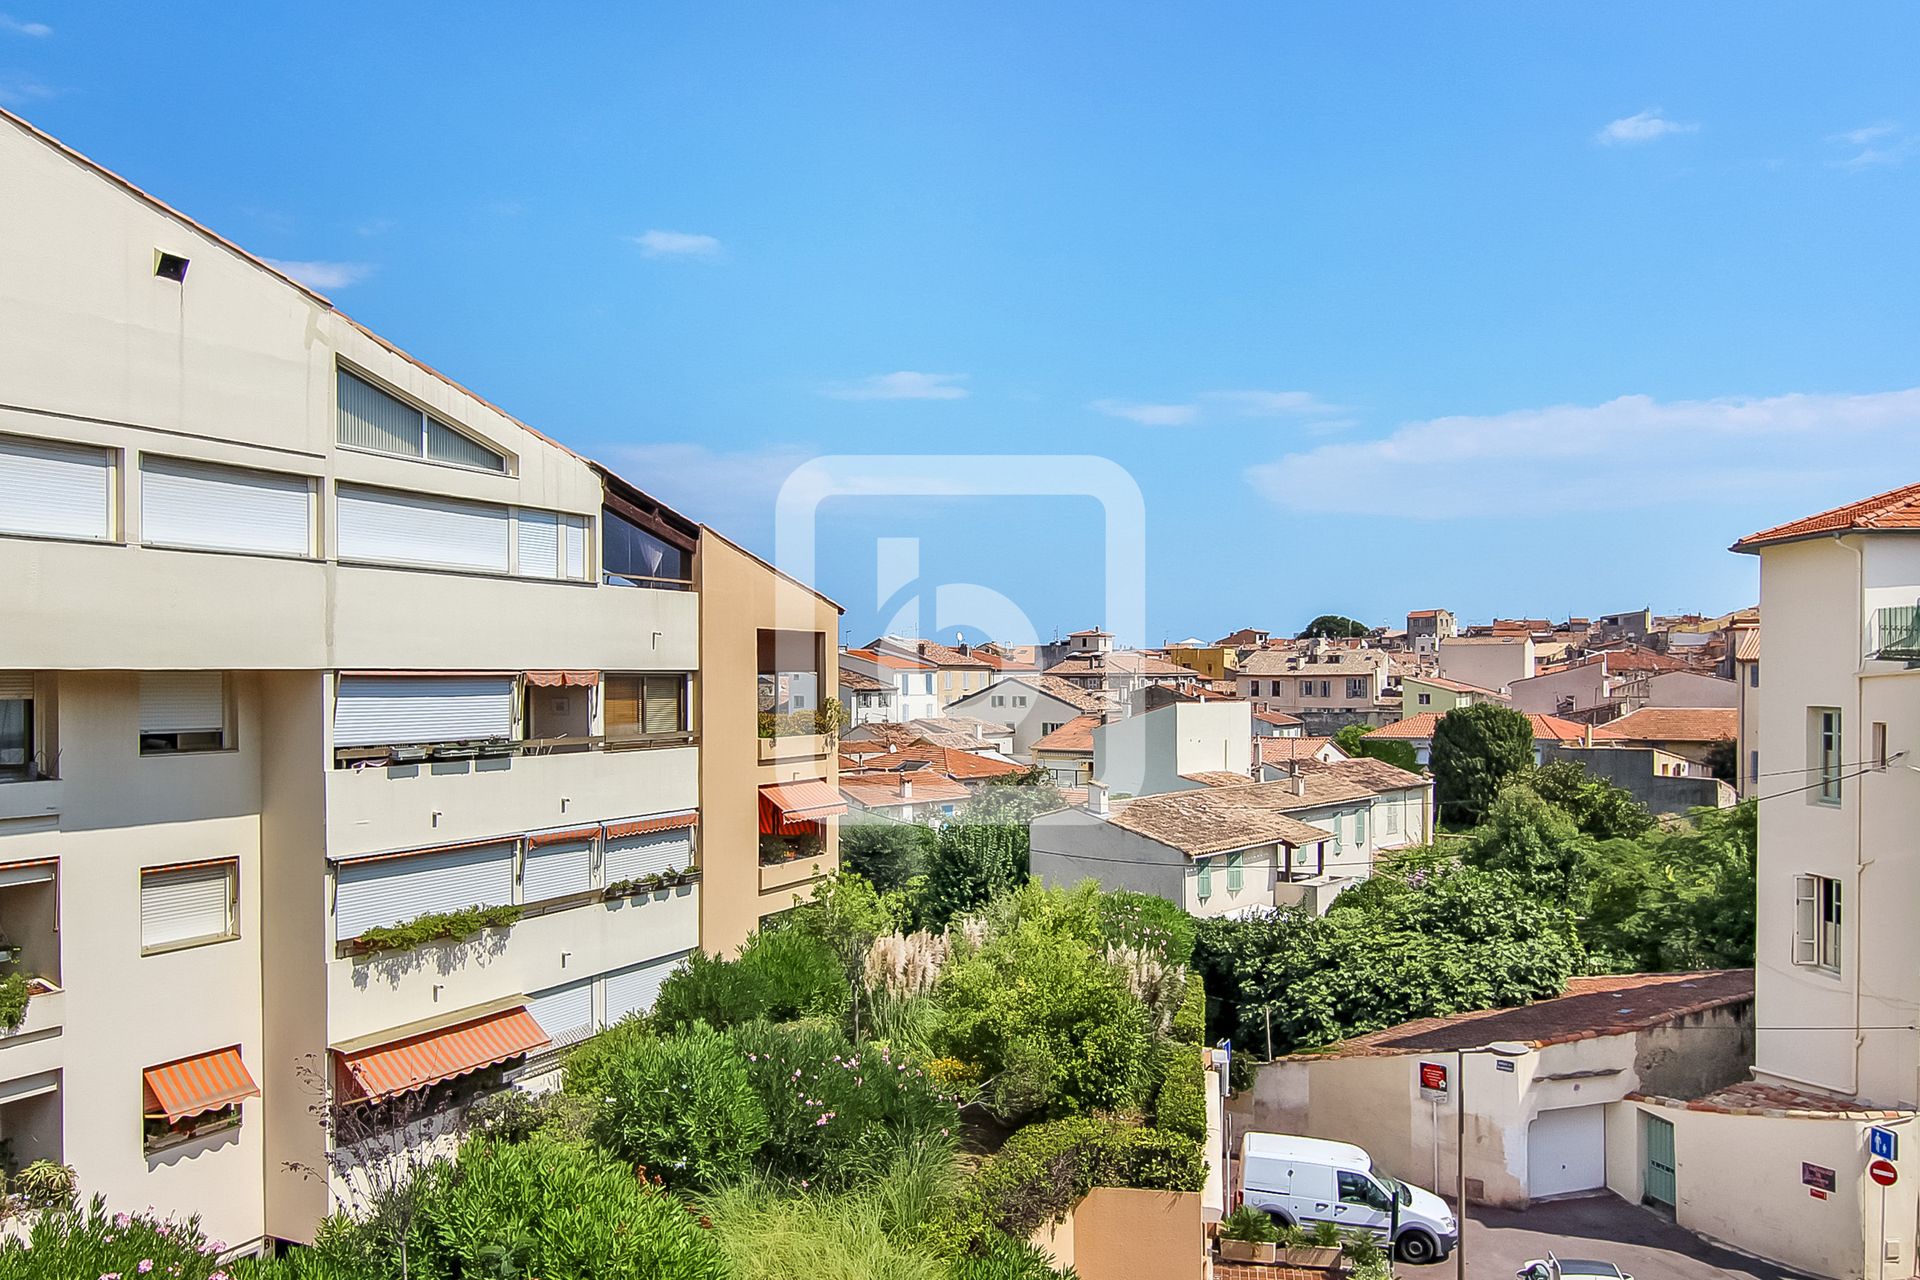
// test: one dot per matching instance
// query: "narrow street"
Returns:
(1643, 1244)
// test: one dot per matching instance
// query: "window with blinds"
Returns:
(376, 892)
(193, 504)
(387, 711)
(633, 990)
(415, 528)
(653, 853)
(564, 1013)
(549, 544)
(377, 420)
(556, 869)
(645, 706)
(186, 906)
(182, 711)
(55, 490)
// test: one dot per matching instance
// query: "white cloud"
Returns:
(904, 385)
(322, 275)
(676, 244)
(16, 92)
(38, 30)
(1271, 404)
(1647, 126)
(1885, 143)
(1150, 415)
(1631, 453)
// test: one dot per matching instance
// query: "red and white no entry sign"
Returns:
(1883, 1172)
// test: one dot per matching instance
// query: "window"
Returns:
(646, 706)
(548, 544)
(393, 711)
(375, 420)
(1048, 726)
(1426, 699)
(18, 760)
(387, 890)
(633, 990)
(1236, 874)
(1826, 747)
(1753, 767)
(1390, 819)
(1358, 1188)
(193, 504)
(1356, 687)
(564, 1013)
(1879, 745)
(1019, 700)
(558, 865)
(1816, 922)
(789, 682)
(1753, 676)
(188, 906)
(629, 857)
(1203, 880)
(55, 490)
(182, 711)
(999, 700)
(632, 557)
(384, 525)
(1360, 828)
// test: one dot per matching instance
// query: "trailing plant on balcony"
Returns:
(435, 926)
(15, 990)
(649, 883)
(827, 720)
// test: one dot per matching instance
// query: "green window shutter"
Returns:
(1235, 877)
(1205, 888)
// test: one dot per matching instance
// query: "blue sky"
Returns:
(1515, 310)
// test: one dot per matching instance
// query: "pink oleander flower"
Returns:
(146, 1265)
(122, 1221)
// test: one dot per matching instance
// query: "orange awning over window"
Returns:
(557, 679)
(645, 826)
(192, 1086)
(571, 836)
(791, 808)
(402, 1066)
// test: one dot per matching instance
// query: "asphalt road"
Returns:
(1646, 1246)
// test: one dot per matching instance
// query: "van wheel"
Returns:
(1279, 1219)
(1418, 1248)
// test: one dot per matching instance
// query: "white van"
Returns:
(1304, 1181)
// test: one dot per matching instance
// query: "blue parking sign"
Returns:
(1885, 1143)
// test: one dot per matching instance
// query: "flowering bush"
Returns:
(832, 1106)
(779, 975)
(69, 1243)
(680, 1105)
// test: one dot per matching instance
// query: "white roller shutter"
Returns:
(383, 711)
(386, 891)
(186, 904)
(191, 504)
(412, 528)
(556, 870)
(539, 544)
(634, 990)
(183, 701)
(16, 684)
(574, 530)
(564, 1013)
(63, 491)
(631, 857)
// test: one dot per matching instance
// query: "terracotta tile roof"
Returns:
(888, 736)
(882, 791)
(1456, 686)
(1285, 750)
(1751, 1098)
(1075, 735)
(954, 764)
(889, 660)
(1053, 686)
(1632, 657)
(862, 683)
(1219, 778)
(1590, 1007)
(1673, 724)
(1090, 631)
(1244, 636)
(1897, 510)
(1126, 661)
(1346, 662)
(999, 663)
(963, 726)
(1747, 648)
(1220, 819)
(1545, 728)
(943, 656)
(1423, 613)
(1376, 775)
(1277, 718)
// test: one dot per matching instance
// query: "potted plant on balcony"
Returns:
(1247, 1235)
(1318, 1248)
(15, 990)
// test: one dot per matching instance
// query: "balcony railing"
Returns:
(1894, 634)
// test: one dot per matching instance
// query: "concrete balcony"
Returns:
(367, 995)
(34, 1045)
(404, 806)
(804, 746)
(28, 800)
(776, 876)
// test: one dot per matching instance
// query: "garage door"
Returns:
(1567, 1151)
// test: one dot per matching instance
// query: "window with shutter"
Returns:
(621, 707)
(556, 869)
(664, 703)
(390, 711)
(186, 906)
(633, 990)
(182, 711)
(645, 706)
(538, 544)
(1236, 874)
(374, 892)
(653, 853)
(390, 527)
(573, 535)
(382, 422)
(564, 1013)
(1203, 880)
(18, 759)
(55, 490)
(194, 504)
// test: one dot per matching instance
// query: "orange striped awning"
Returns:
(199, 1084)
(569, 836)
(562, 679)
(416, 1062)
(645, 826)
(791, 808)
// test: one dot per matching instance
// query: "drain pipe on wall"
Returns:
(1860, 860)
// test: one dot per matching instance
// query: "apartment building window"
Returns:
(387, 889)
(1426, 699)
(630, 556)
(634, 989)
(1048, 726)
(1236, 873)
(375, 714)
(1816, 922)
(1879, 745)
(19, 759)
(205, 507)
(645, 706)
(56, 490)
(790, 663)
(999, 700)
(1019, 700)
(1826, 746)
(390, 527)
(381, 422)
(649, 846)
(1356, 687)
(550, 544)
(564, 1013)
(193, 1097)
(183, 711)
(188, 906)
(559, 864)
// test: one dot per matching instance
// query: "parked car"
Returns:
(1303, 1181)
(1554, 1268)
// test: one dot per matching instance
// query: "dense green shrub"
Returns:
(1148, 922)
(681, 1106)
(1180, 1101)
(833, 1108)
(89, 1242)
(436, 926)
(1475, 751)
(1190, 1020)
(779, 975)
(1000, 1257)
(768, 1235)
(1044, 1169)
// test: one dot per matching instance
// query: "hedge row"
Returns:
(1044, 1169)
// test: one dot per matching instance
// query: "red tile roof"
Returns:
(882, 791)
(1673, 724)
(1545, 728)
(1277, 718)
(955, 764)
(1283, 750)
(890, 660)
(860, 682)
(1897, 510)
(1075, 735)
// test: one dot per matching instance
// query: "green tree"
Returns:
(887, 854)
(780, 974)
(844, 916)
(1357, 740)
(1535, 841)
(682, 1106)
(1475, 751)
(1331, 626)
(1676, 899)
(1599, 807)
(1723, 760)
(985, 850)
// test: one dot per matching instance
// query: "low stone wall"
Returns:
(1118, 1233)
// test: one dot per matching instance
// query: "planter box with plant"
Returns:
(653, 882)
(435, 926)
(1316, 1249)
(1247, 1235)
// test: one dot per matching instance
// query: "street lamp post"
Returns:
(1500, 1049)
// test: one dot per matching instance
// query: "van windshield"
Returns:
(1396, 1188)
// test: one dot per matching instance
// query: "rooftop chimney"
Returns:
(1299, 783)
(906, 787)
(1097, 798)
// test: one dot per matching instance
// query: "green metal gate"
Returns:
(1657, 1185)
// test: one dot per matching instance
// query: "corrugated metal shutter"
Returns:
(64, 491)
(634, 856)
(661, 698)
(382, 711)
(575, 530)
(16, 684)
(539, 544)
(564, 1013)
(372, 419)
(412, 528)
(182, 905)
(634, 990)
(183, 701)
(385, 891)
(189, 504)
(556, 870)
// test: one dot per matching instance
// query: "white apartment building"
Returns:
(302, 640)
